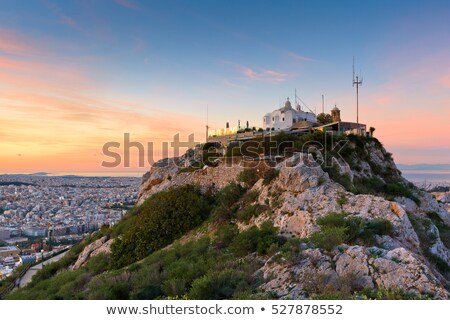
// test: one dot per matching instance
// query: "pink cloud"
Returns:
(263, 75)
(63, 18)
(295, 56)
(39, 72)
(13, 43)
(127, 4)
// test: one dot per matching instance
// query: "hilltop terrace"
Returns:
(288, 120)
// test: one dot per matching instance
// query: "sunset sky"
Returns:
(77, 74)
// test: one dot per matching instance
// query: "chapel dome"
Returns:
(287, 104)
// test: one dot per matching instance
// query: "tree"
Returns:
(324, 118)
(372, 129)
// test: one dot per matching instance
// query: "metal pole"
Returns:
(357, 100)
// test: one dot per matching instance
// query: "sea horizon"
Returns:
(81, 173)
(413, 175)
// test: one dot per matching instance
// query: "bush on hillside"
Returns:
(270, 175)
(217, 286)
(162, 218)
(342, 227)
(248, 212)
(225, 235)
(249, 176)
(256, 239)
(329, 237)
(226, 202)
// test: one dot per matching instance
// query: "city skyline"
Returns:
(75, 75)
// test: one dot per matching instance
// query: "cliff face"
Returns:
(301, 193)
(169, 173)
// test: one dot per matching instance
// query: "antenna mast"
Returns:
(358, 82)
(295, 101)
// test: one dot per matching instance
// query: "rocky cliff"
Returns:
(303, 191)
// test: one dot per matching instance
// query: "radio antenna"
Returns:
(358, 80)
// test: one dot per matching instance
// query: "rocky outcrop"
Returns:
(102, 245)
(400, 268)
(300, 194)
(169, 173)
(296, 206)
(351, 270)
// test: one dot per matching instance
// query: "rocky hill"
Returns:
(295, 227)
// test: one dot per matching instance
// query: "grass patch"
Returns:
(270, 175)
(337, 228)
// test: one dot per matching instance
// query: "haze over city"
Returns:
(77, 74)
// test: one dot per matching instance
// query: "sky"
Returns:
(75, 75)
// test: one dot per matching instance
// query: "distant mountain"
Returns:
(39, 174)
(424, 166)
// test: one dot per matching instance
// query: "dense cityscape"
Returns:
(41, 214)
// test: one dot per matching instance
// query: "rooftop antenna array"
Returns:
(358, 80)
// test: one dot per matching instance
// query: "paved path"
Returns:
(34, 269)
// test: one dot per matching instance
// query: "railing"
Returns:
(5, 291)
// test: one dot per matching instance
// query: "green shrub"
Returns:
(163, 217)
(388, 294)
(246, 213)
(376, 186)
(250, 197)
(256, 240)
(336, 176)
(291, 249)
(332, 219)
(329, 237)
(225, 235)
(98, 263)
(174, 286)
(220, 285)
(354, 227)
(227, 201)
(111, 291)
(342, 200)
(249, 176)
(380, 226)
(270, 175)
(229, 195)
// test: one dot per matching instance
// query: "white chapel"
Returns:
(286, 117)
